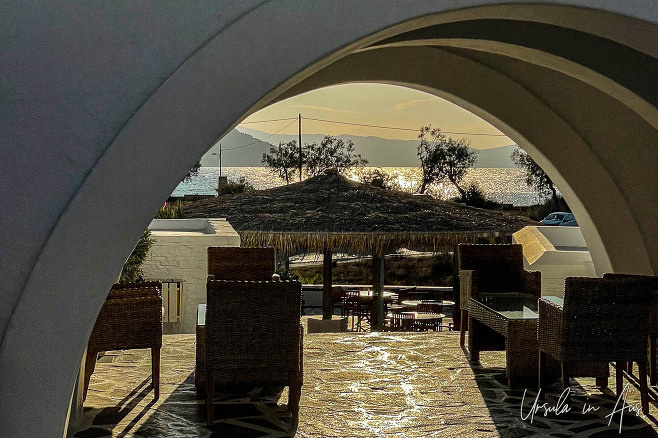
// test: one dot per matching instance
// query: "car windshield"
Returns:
(554, 217)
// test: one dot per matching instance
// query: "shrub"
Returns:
(131, 271)
(378, 178)
(232, 186)
(474, 197)
(170, 212)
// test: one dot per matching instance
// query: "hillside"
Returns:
(380, 152)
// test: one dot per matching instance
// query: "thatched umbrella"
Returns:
(330, 212)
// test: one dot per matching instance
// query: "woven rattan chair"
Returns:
(235, 263)
(254, 336)
(603, 320)
(232, 263)
(493, 269)
(653, 323)
(131, 318)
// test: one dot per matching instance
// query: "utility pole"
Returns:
(221, 180)
(300, 147)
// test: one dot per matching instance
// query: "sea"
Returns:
(505, 186)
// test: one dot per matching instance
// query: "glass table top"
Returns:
(515, 308)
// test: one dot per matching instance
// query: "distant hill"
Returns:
(496, 157)
(380, 152)
(247, 156)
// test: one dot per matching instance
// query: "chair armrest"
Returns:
(531, 282)
(549, 327)
(468, 282)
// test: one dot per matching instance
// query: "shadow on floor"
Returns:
(244, 412)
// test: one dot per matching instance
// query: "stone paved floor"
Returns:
(356, 385)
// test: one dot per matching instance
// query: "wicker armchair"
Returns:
(254, 336)
(603, 320)
(236, 263)
(233, 264)
(653, 323)
(493, 269)
(131, 318)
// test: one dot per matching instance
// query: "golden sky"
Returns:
(376, 104)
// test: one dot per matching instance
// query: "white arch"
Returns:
(96, 102)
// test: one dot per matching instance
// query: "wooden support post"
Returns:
(378, 291)
(456, 314)
(326, 284)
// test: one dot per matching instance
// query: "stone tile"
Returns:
(355, 385)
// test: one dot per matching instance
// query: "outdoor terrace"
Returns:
(355, 385)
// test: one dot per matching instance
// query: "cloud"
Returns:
(325, 108)
(411, 103)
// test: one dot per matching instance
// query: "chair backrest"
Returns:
(402, 321)
(653, 311)
(337, 294)
(131, 290)
(498, 266)
(433, 307)
(236, 263)
(605, 319)
(404, 294)
(131, 317)
(352, 298)
(252, 330)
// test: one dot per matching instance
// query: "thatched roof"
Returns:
(330, 210)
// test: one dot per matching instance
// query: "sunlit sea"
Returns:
(501, 185)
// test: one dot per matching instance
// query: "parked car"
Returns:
(560, 218)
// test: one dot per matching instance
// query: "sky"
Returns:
(375, 104)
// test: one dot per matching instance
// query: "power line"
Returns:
(264, 138)
(401, 129)
(271, 120)
(347, 123)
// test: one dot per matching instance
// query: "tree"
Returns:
(443, 157)
(194, 171)
(331, 153)
(534, 175)
(132, 268)
(284, 160)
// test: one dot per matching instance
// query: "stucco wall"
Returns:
(557, 253)
(181, 253)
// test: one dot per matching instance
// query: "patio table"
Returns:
(415, 303)
(367, 297)
(509, 324)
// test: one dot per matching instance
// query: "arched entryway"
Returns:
(97, 102)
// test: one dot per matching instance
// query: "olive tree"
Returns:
(535, 176)
(331, 153)
(284, 160)
(442, 158)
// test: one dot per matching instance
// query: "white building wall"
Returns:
(181, 253)
(556, 252)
